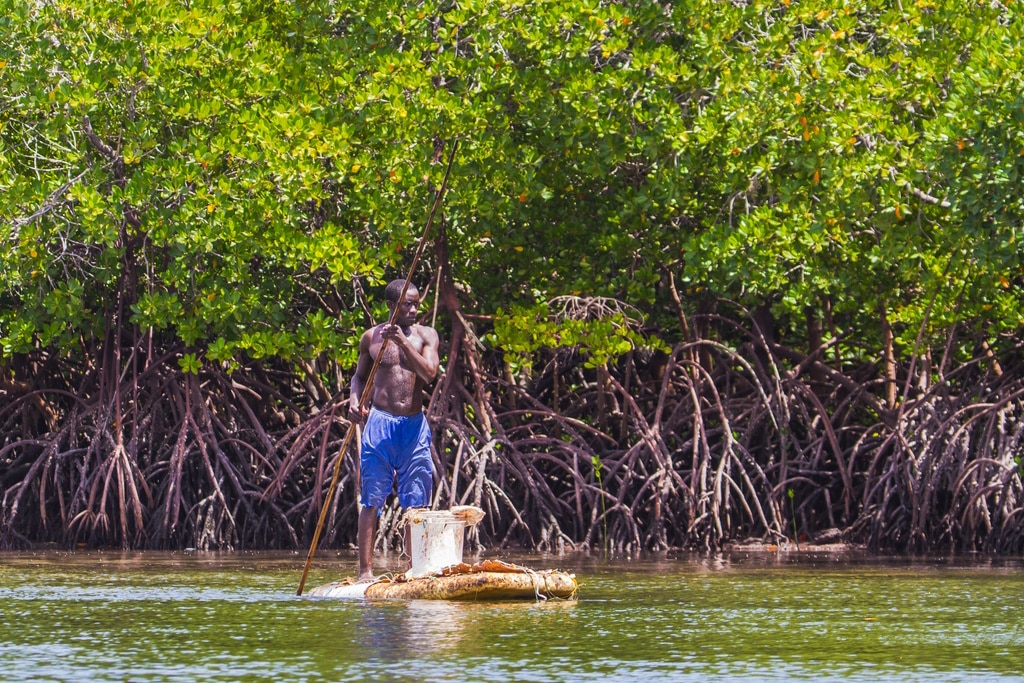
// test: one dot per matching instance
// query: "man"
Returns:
(396, 438)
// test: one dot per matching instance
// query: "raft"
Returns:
(486, 580)
(438, 572)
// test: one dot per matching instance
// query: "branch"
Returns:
(49, 205)
(927, 198)
(103, 148)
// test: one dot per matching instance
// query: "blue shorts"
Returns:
(396, 445)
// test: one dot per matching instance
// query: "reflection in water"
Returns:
(392, 631)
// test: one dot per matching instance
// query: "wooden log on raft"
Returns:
(478, 586)
(487, 580)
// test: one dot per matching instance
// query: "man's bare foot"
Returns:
(366, 577)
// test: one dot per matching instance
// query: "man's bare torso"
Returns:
(397, 389)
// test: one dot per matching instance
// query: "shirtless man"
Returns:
(396, 438)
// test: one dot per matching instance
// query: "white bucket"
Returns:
(436, 538)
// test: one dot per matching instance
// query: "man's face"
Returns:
(407, 309)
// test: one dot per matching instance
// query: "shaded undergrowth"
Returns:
(694, 448)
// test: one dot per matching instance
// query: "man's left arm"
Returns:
(423, 361)
(426, 361)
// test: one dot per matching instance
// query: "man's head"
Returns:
(407, 310)
(394, 290)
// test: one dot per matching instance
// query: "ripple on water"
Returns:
(674, 620)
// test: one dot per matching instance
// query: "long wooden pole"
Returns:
(373, 371)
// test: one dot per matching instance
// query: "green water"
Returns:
(235, 617)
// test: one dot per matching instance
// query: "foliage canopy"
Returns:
(232, 174)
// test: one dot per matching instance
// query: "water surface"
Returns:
(678, 617)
